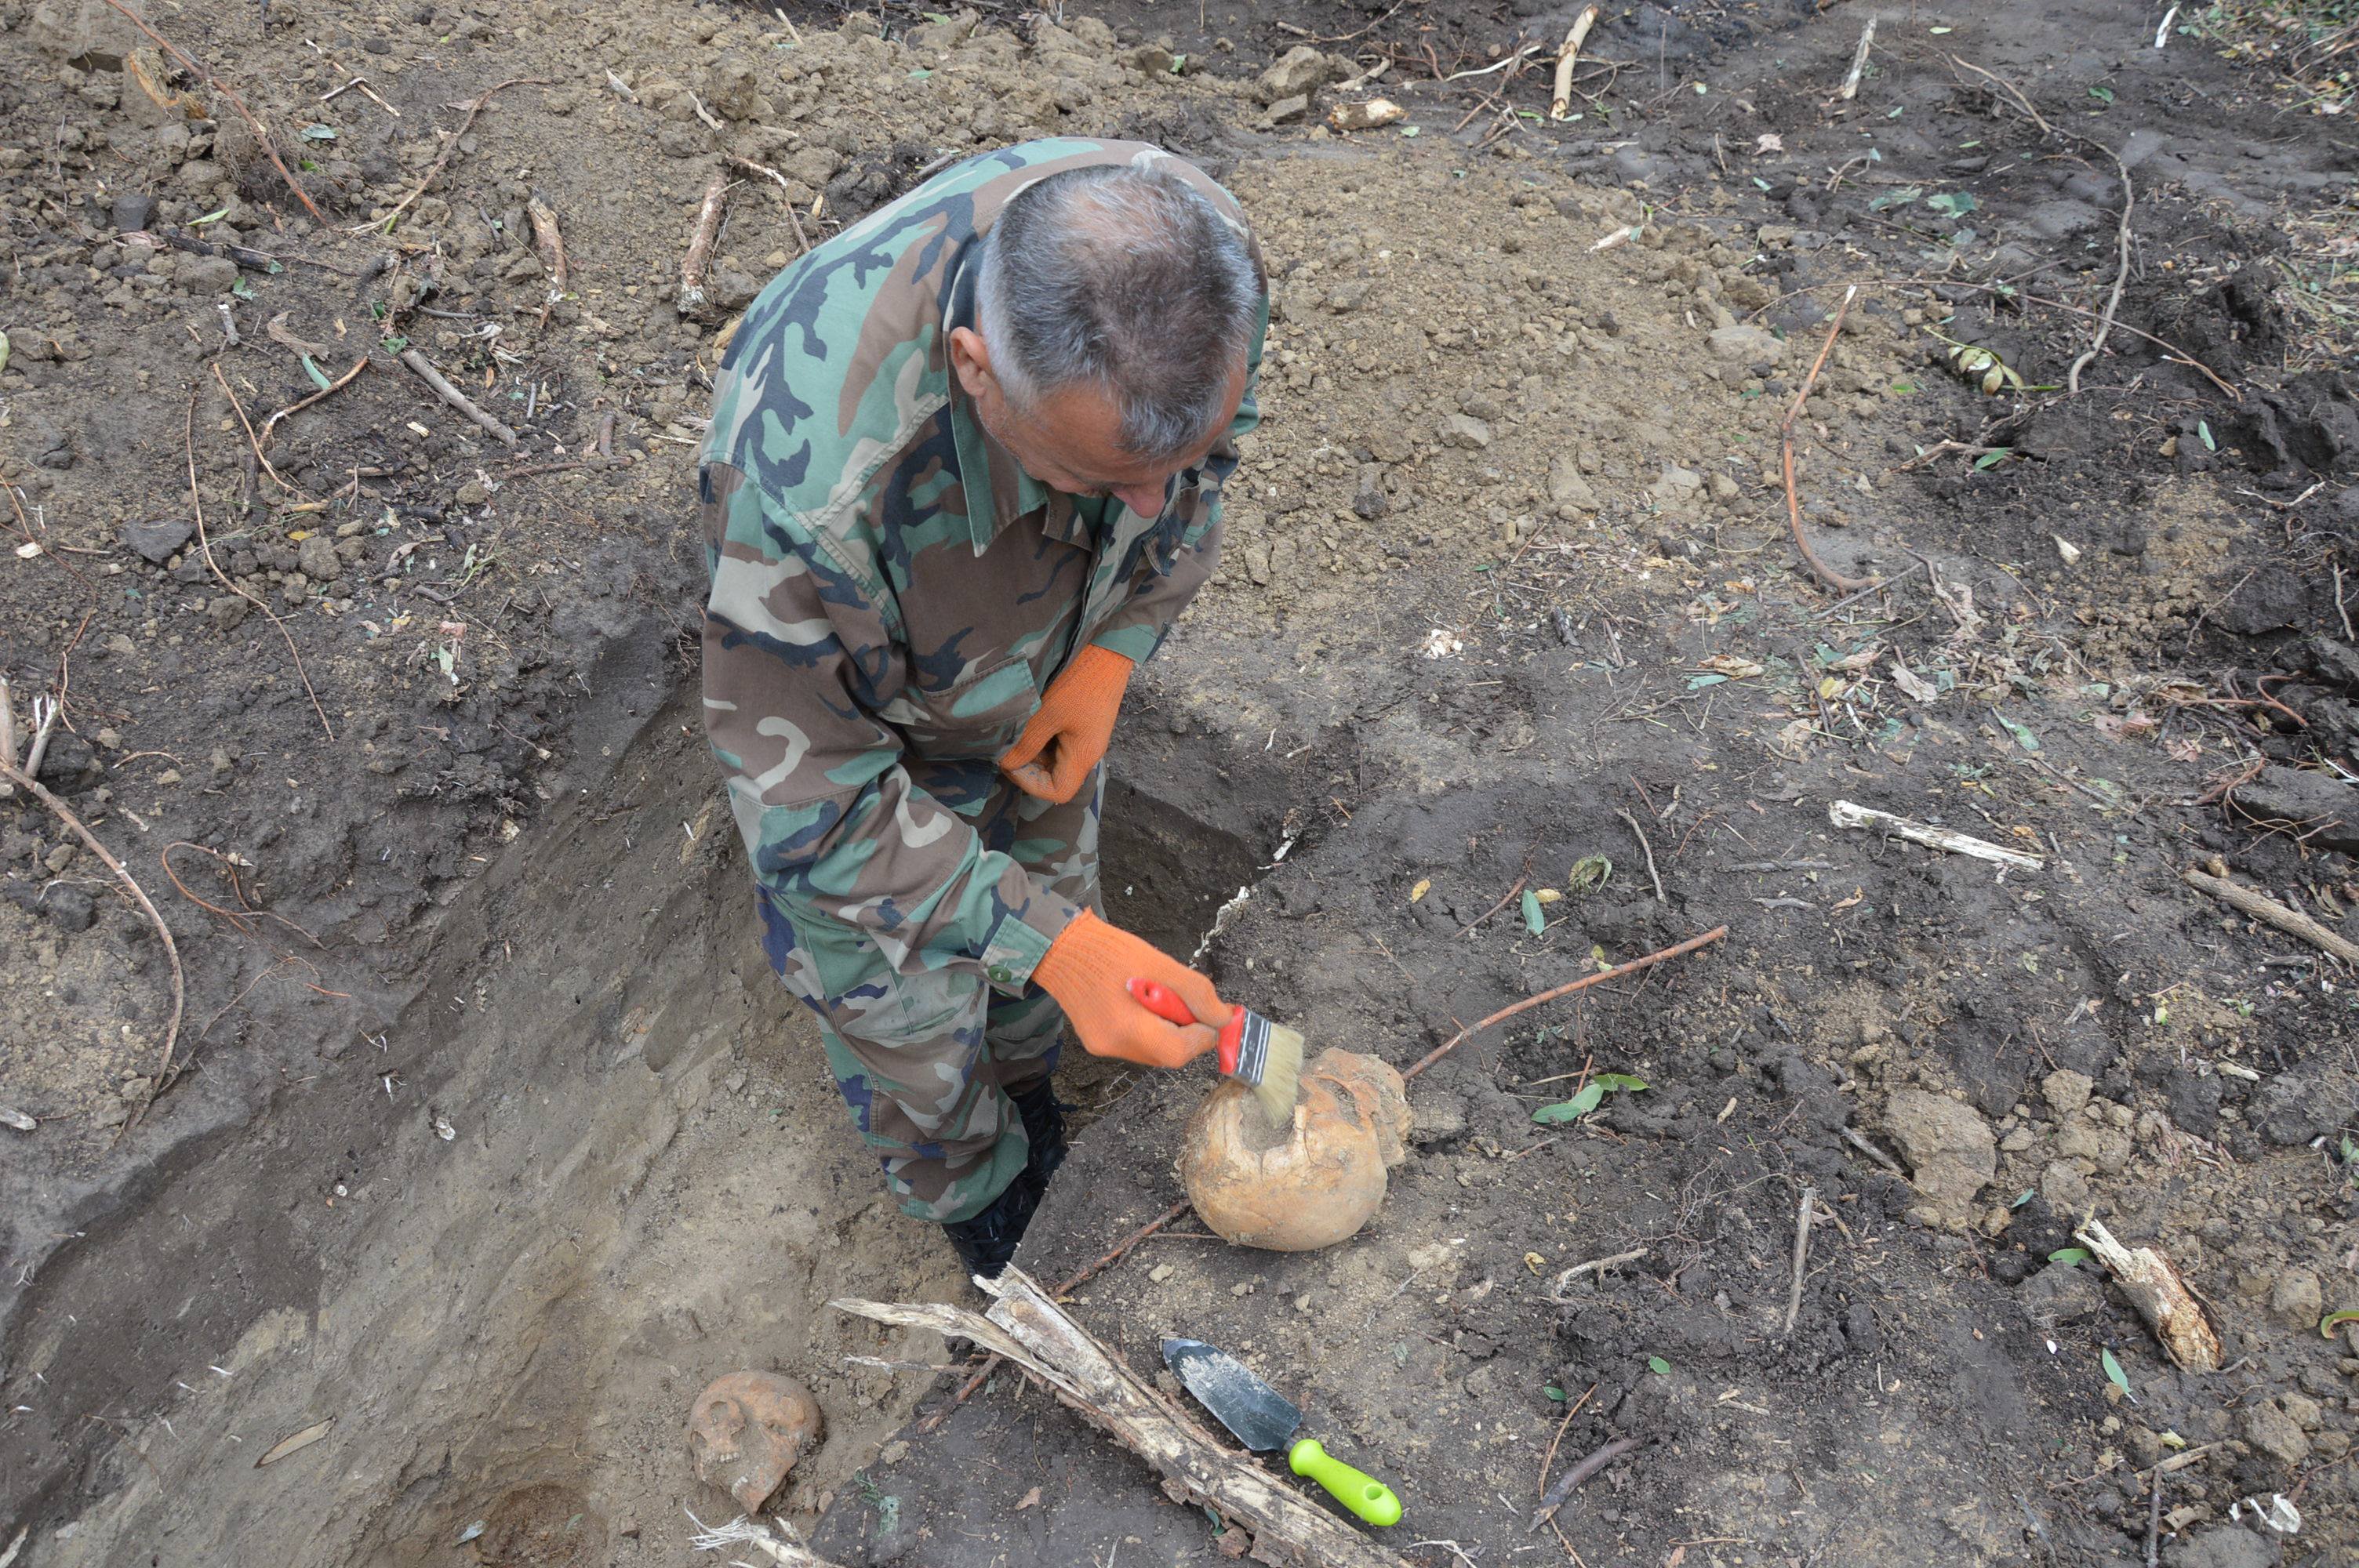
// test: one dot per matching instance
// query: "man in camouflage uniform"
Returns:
(963, 470)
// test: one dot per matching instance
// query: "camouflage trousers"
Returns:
(925, 1061)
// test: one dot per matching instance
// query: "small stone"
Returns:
(2297, 1299)
(473, 494)
(2270, 1429)
(226, 611)
(2064, 1187)
(207, 275)
(1465, 430)
(2065, 1091)
(1723, 489)
(1301, 71)
(158, 540)
(1285, 110)
(1741, 344)
(1568, 489)
(2058, 1293)
(70, 908)
(1242, 1288)
(316, 559)
(134, 210)
(1949, 1148)
(1160, 1273)
(169, 776)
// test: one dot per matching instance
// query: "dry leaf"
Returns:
(1030, 1500)
(1857, 894)
(1768, 142)
(301, 1440)
(2066, 548)
(1424, 886)
(1732, 666)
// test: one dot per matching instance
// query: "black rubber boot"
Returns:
(988, 1241)
(1044, 1124)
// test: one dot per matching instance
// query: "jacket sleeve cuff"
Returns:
(1132, 642)
(1021, 938)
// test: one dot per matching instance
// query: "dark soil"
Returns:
(1507, 561)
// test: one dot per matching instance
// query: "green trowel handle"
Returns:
(1364, 1495)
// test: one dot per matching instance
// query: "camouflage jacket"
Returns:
(890, 591)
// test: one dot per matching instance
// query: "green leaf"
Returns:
(319, 376)
(215, 216)
(1658, 1367)
(2102, 96)
(1761, 182)
(1409, 130)
(1937, 32)
(1893, 113)
(1620, 1082)
(1572, 1110)
(1991, 459)
(1900, 197)
(1952, 203)
(1534, 921)
(2113, 1373)
(1589, 874)
(937, 17)
(242, 289)
(3, 351)
(2023, 736)
(920, 74)
(2334, 1320)
(317, 132)
(1697, 682)
(1178, 65)
(1903, 388)
(1554, 1392)
(2023, 1197)
(2203, 432)
(2074, 1255)
(395, 344)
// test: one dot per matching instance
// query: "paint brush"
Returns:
(1264, 1056)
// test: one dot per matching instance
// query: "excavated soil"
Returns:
(486, 1139)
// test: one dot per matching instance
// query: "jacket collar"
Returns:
(998, 490)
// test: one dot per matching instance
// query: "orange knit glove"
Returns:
(1087, 970)
(1066, 738)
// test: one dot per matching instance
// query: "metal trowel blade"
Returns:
(1257, 1414)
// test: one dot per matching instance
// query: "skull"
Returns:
(747, 1429)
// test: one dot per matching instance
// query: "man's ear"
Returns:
(971, 359)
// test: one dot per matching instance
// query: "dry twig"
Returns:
(2121, 277)
(552, 245)
(300, 404)
(692, 266)
(424, 370)
(1850, 88)
(251, 439)
(1572, 1479)
(1802, 1256)
(269, 148)
(2261, 907)
(25, 782)
(1819, 569)
(2008, 88)
(1567, 58)
(1678, 950)
(786, 197)
(448, 147)
(1640, 834)
(205, 548)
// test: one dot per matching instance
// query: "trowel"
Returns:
(1263, 1420)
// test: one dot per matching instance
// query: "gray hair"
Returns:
(1126, 279)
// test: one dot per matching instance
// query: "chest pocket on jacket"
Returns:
(978, 717)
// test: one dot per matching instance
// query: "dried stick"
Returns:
(1679, 950)
(2008, 88)
(552, 245)
(2121, 275)
(1567, 58)
(1848, 814)
(424, 371)
(251, 439)
(1851, 1137)
(2262, 908)
(1640, 834)
(2171, 351)
(700, 247)
(1547, 1460)
(25, 782)
(201, 74)
(1572, 1479)
(785, 196)
(1819, 569)
(45, 714)
(1802, 1256)
(1504, 899)
(1113, 1256)
(7, 724)
(1595, 1265)
(2154, 1287)
(1029, 1328)
(448, 147)
(204, 548)
(297, 406)
(2154, 1483)
(1850, 88)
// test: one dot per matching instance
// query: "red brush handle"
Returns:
(1164, 1003)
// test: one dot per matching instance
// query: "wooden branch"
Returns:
(1802, 1256)
(1031, 1330)
(1567, 58)
(2121, 275)
(1819, 569)
(448, 147)
(300, 404)
(552, 245)
(2293, 922)
(692, 266)
(32, 786)
(1844, 814)
(425, 372)
(269, 148)
(2161, 1297)
(1850, 88)
(1617, 972)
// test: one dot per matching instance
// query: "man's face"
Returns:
(1071, 442)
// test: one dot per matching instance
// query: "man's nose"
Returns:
(1146, 500)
